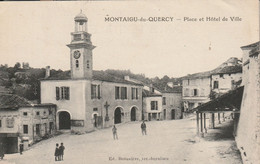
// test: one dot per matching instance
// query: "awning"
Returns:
(230, 101)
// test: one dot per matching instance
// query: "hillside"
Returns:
(25, 82)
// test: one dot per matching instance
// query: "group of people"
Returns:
(114, 130)
(59, 152)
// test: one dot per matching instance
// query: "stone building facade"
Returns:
(167, 101)
(198, 88)
(21, 121)
(88, 99)
(152, 105)
(248, 132)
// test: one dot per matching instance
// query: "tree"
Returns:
(17, 65)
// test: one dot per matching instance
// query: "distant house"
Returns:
(226, 79)
(161, 103)
(172, 102)
(199, 87)
(88, 99)
(152, 105)
(21, 121)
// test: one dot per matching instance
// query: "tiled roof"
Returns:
(230, 69)
(97, 75)
(225, 102)
(251, 45)
(11, 101)
(235, 67)
(198, 75)
(167, 89)
(147, 93)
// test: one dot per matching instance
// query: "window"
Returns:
(221, 75)
(62, 93)
(188, 81)
(38, 129)
(77, 37)
(57, 93)
(134, 93)
(50, 112)
(25, 129)
(0, 123)
(121, 93)
(87, 63)
(117, 92)
(51, 126)
(37, 113)
(77, 63)
(215, 85)
(44, 113)
(10, 122)
(164, 100)
(195, 92)
(25, 113)
(95, 91)
(95, 109)
(154, 105)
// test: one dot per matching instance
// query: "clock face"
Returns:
(76, 54)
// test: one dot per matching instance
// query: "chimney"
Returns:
(170, 84)
(127, 78)
(151, 88)
(47, 72)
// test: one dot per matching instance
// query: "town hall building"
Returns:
(88, 99)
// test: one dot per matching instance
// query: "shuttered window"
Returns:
(62, 93)
(57, 93)
(95, 91)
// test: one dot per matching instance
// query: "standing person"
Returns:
(57, 152)
(21, 148)
(143, 127)
(61, 150)
(2, 153)
(114, 130)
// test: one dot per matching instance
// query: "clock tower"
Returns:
(81, 47)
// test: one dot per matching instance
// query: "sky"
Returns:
(38, 32)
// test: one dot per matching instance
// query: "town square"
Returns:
(78, 85)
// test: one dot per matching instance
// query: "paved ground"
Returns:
(167, 142)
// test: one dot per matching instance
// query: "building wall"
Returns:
(9, 114)
(81, 106)
(147, 107)
(248, 131)
(203, 86)
(29, 119)
(225, 82)
(76, 104)
(173, 102)
(108, 95)
(43, 119)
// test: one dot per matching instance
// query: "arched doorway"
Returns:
(117, 116)
(173, 114)
(164, 114)
(133, 114)
(64, 120)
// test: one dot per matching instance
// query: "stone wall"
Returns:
(248, 132)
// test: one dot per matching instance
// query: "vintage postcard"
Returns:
(114, 82)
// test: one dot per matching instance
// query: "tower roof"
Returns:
(81, 17)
